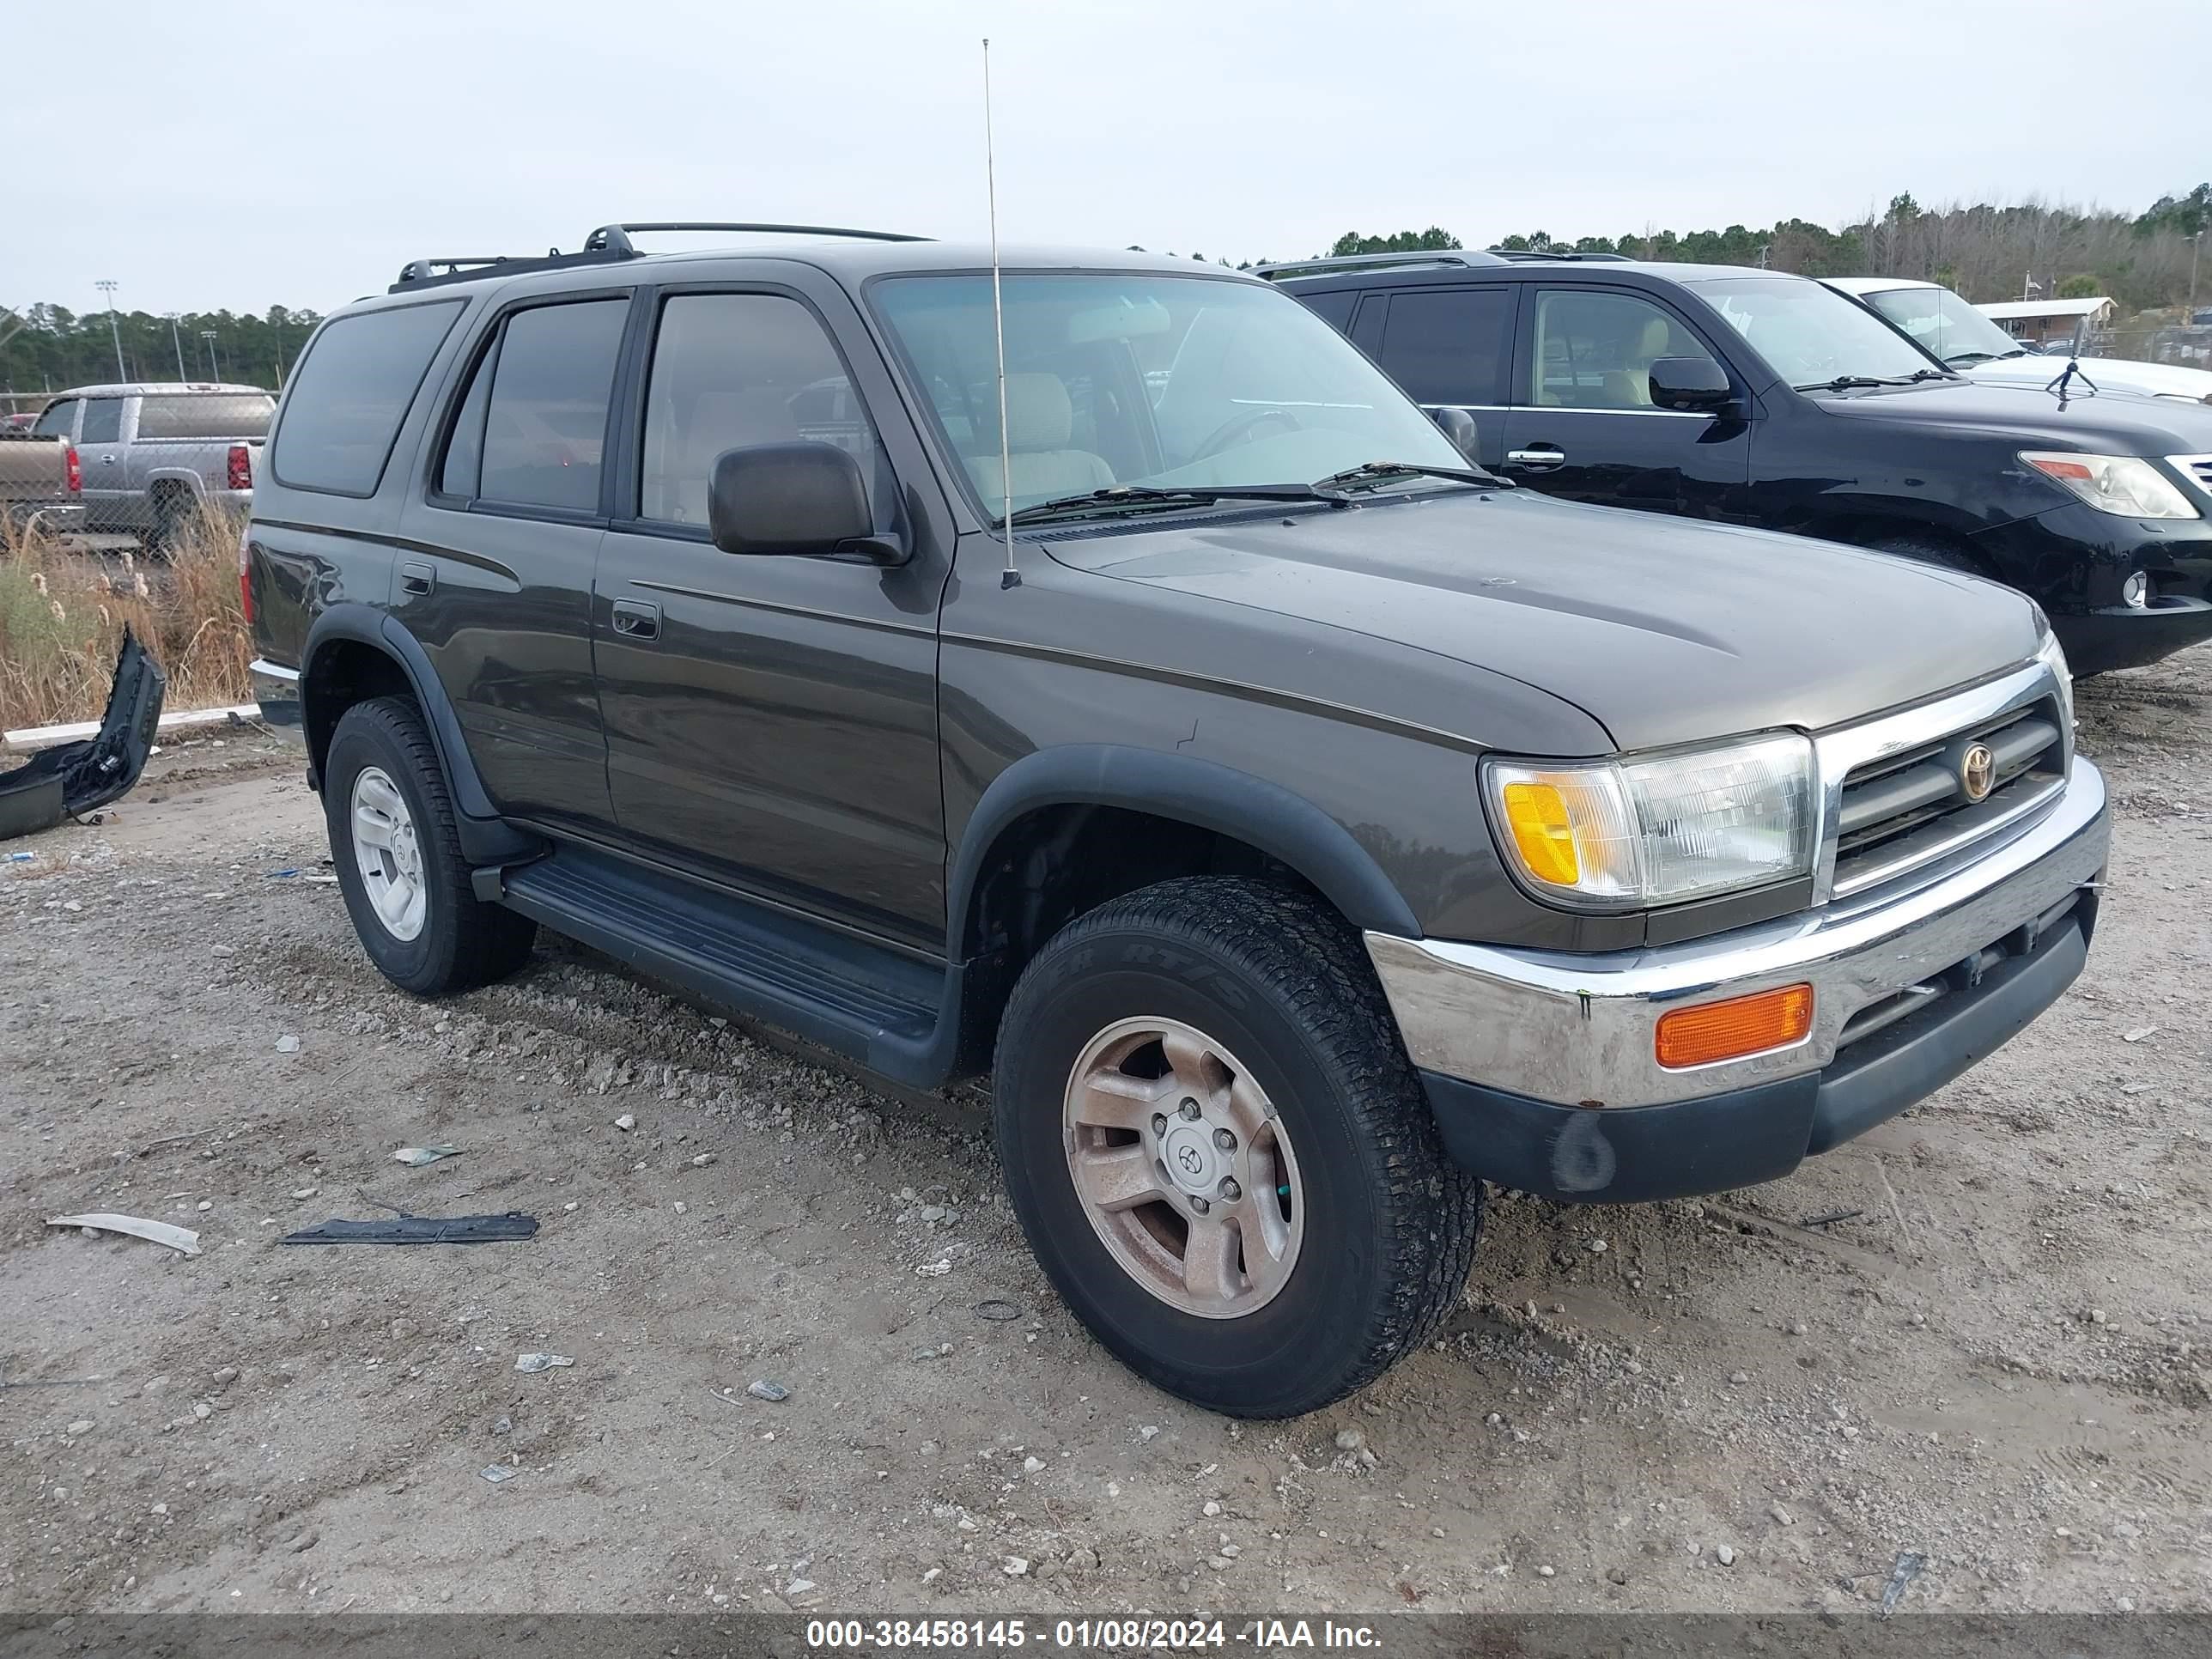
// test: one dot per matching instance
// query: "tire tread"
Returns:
(1309, 956)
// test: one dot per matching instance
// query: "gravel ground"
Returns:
(1995, 1359)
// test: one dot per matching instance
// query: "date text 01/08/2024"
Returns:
(1083, 1635)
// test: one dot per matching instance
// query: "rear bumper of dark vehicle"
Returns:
(276, 688)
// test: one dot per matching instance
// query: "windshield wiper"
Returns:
(1383, 471)
(1122, 496)
(1848, 382)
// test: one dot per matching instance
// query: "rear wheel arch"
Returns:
(355, 653)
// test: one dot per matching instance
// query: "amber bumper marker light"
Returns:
(1734, 1029)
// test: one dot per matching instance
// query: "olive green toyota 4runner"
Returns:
(1301, 826)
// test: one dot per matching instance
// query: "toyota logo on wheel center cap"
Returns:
(1188, 1154)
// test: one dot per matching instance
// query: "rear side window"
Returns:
(545, 413)
(206, 415)
(103, 421)
(58, 419)
(1334, 309)
(1450, 345)
(350, 394)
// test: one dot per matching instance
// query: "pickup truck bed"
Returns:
(38, 483)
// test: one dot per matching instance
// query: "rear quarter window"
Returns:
(205, 415)
(351, 392)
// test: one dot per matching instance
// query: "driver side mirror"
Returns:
(807, 499)
(1697, 384)
(1459, 426)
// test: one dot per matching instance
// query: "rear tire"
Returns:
(398, 858)
(1247, 1020)
(171, 510)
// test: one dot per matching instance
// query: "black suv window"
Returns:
(730, 369)
(348, 397)
(1594, 349)
(103, 421)
(1450, 345)
(545, 417)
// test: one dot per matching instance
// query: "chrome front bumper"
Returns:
(1577, 1029)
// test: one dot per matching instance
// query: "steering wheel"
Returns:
(1237, 426)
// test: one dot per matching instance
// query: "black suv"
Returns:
(1299, 824)
(1750, 397)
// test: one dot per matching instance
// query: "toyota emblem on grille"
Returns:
(1977, 771)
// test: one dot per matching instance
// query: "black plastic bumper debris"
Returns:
(419, 1229)
(74, 778)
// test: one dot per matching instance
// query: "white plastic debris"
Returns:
(418, 1156)
(541, 1362)
(183, 1240)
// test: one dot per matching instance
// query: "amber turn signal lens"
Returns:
(1731, 1030)
(1541, 831)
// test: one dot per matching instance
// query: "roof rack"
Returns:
(616, 238)
(605, 246)
(1529, 255)
(1409, 258)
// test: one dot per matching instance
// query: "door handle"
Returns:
(107, 461)
(417, 578)
(1540, 455)
(637, 619)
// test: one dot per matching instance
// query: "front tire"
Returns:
(399, 862)
(1219, 1152)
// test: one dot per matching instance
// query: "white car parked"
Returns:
(1962, 336)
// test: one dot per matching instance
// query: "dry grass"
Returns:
(62, 612)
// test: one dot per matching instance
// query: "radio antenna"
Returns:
(1010, 577)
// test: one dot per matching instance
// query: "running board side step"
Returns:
(871, 1004)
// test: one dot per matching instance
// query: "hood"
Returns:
(2110, 373)
(2123, 424)
(1664, 631)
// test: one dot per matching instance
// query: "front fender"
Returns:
(1200, 793)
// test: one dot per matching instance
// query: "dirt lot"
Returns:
(1996, 1359)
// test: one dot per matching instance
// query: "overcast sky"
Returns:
(296, 152)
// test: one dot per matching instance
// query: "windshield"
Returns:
(1163, 382)
(1939, 321)
(1811, 334)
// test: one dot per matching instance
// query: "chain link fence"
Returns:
(2182, 346)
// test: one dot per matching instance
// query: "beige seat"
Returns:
(1631, 388)
(718, 420)
(1040, 420)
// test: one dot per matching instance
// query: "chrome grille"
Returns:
(1891, 802)
(2196, 468)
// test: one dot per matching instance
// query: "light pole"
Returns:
(178, 340)
(107, 286)
(2196, 243)
(215, 363)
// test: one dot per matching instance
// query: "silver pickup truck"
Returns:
(39, 484)
(152, 454)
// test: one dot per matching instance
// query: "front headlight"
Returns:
(2126, 484)
(1629, 834)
